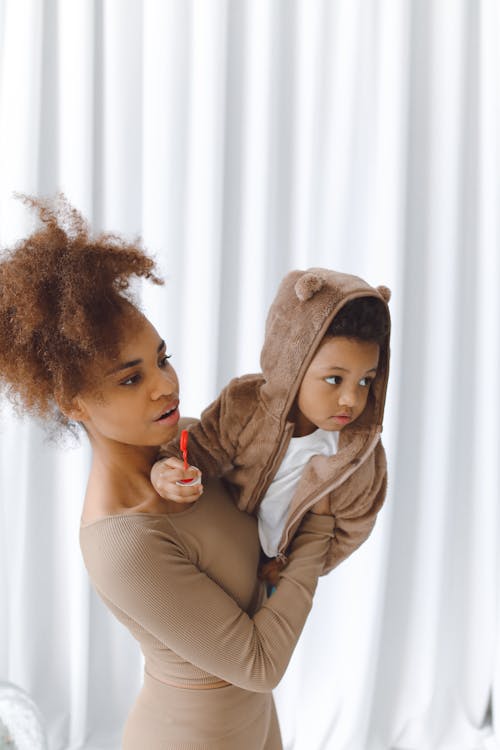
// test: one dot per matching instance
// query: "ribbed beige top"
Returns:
(186, 587)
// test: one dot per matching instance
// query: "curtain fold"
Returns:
(241, 139)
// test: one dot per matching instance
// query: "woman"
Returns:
(75, 348)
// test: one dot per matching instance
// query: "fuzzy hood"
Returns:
(304, 306)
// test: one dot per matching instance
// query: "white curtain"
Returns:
(241, 139)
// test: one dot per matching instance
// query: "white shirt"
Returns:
(273, 510)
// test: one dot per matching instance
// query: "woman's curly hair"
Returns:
(363, 318)
(62, 299)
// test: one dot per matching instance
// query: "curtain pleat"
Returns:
(241, 139)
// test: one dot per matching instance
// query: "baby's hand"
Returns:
(167, 473)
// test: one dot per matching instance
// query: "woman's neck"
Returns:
(120, 474)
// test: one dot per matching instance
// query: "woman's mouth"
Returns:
(170, 416)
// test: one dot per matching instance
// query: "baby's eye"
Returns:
(334, 379)
(366, 382)
(164, 360)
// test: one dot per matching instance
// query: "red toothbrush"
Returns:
(184, 447)
(183, 443)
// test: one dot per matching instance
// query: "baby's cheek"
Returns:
(362, 405)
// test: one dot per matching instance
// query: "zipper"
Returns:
(314, 499)
(267, 472)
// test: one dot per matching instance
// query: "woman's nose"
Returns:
(165, 384)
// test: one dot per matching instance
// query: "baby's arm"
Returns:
(270, 571)
(355, 516)
(211, 448)
(354, 507)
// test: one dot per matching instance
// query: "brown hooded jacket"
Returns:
(244, 434)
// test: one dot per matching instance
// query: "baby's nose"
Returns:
(347, 397)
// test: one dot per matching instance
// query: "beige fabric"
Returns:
(166, 718)
(185, 586)
(244, 434)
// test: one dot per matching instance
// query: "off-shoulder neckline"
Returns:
(137, 514)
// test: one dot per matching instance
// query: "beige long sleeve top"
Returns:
(186, 587)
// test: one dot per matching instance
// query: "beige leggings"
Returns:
(227, 718)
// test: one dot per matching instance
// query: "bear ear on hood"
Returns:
(307, 286)
(384, 292)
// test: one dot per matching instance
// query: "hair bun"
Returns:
(308, 285)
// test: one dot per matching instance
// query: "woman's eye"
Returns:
(164, 360)
(132, 380)
(366, 382)
(334, 379)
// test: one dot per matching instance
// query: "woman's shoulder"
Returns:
(121, 548)
(116, 539)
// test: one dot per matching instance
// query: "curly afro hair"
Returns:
(62, 299)
(363, 318)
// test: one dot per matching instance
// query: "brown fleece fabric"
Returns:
(243, 435)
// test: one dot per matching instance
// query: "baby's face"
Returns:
(335, 387)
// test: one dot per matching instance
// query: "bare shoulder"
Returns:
(95, 509)
(103, 499)
(110, 495)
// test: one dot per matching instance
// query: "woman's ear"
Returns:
(78, 412)
(73, 408)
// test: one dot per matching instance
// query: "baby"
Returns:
(305, 433)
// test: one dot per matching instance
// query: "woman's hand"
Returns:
(165, 476)
(269, 572)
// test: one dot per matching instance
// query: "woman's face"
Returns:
(137, 402)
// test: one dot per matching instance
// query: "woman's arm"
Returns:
(147, 574)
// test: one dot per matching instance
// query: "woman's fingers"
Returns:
(270, 571)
